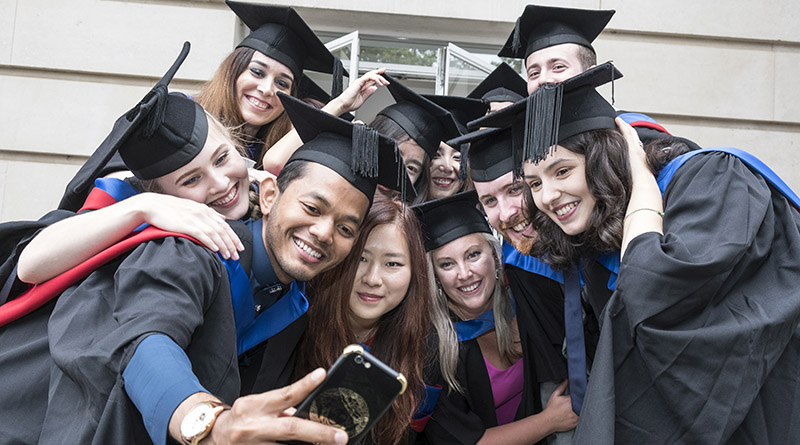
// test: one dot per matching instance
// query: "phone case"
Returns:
(357, 391)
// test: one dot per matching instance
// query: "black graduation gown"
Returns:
(170, 286)
(700, 341)
(463, 418)
(539, 303)
(24, 352)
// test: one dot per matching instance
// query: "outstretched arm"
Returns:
(351, 99)
(71, 241)
(263, 418)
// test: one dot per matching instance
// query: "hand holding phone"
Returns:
(357, 391)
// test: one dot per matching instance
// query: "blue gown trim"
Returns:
(528, 263)
(751, 161)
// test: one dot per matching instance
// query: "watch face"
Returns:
(197, 420)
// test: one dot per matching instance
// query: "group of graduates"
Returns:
(539, 266)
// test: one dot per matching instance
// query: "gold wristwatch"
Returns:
(197, 423)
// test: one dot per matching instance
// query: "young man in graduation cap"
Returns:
(496, 155)
(501, 88)
(153, 361)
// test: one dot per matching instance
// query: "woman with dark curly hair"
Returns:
(689, 259)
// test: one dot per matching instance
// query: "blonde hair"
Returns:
(448, 339)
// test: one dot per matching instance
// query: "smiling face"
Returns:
(382, 278)
(504, 203)
(465, 267)
(559, 189)
(413, 156)
(553, 64)
(217, 176)
(256, 87)
(312, 225)
(444, 172)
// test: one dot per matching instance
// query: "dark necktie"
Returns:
(576, 348)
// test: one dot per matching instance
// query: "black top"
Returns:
(446, 219)
(162, 133)
(501, 85)
(555, 112)
(540, 27)
(280, 33)
(356, 152)
(426, 122)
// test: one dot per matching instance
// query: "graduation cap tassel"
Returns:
(159, 107)
(401, 173)
(612, 87)
(516, 42)
(542, 117)
(463, 164)
(365, 151)
(338, 77)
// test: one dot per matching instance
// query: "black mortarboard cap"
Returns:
(308, 89)
(463, 109)
(426, 122)
(490, 153)
(447, 219)
(356, 152)
(555, 112)
(280, 33)
(160, 134)
(503, 84)
(540, 27)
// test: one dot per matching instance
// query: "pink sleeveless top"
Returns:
(506, 389)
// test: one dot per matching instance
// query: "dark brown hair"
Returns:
(400, 340)
(608, 176)
(218, 97)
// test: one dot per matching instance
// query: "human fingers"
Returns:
(560, 389)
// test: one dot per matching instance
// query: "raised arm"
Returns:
(645, 208)
(71, 241)
(351, 99)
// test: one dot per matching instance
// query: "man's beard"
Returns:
(522, 243)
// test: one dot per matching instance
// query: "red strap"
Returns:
(652, 125)
(39, 294)
(97, 199)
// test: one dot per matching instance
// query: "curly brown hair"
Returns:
(608, 176)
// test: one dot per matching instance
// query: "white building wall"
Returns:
(720, 73)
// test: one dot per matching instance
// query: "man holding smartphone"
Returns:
(160, 357)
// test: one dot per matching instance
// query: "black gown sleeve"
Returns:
(169, 286)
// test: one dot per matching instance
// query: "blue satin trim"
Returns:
(528, 263)
(252, 330)
(119, 190)
(630, 118)
(751, 161)
(611, 262)
(469, 329)
(429, 400)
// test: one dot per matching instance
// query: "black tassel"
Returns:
(542, 119)
(364, 155)
(463, 166)
(516, 42)
(338, 77)
(612, 86)
(158, 108)
(401, 173)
